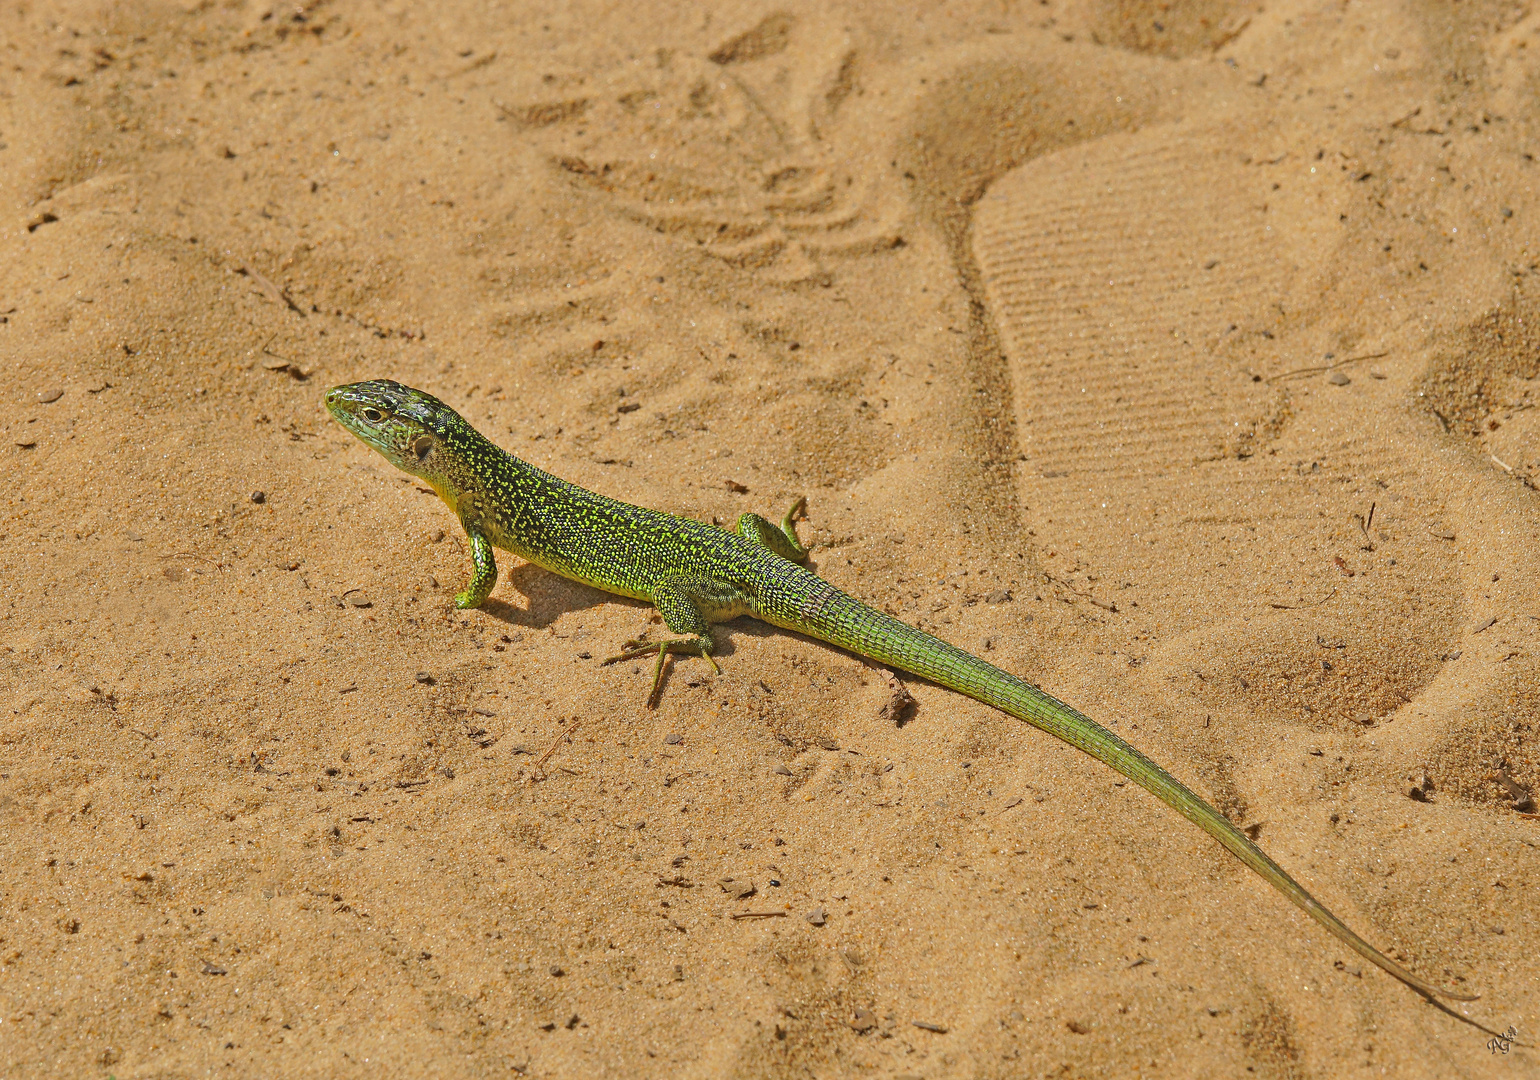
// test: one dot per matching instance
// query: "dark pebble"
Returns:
(259, 497)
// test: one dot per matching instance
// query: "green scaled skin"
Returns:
(697, 574)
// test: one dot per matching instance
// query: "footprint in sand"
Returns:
(1208, 416)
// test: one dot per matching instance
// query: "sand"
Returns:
(1180, 357)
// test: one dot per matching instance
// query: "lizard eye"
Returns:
(374, 416)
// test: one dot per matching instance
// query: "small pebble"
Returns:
(926, 1026)
(259, 497)
(50, 395)
(738, 888)
(556, 971)
(358, 598)
(818, 916)
(1338, 378)
(426, 679)
(781, 769)
(672, 739)
(438, 534)
(862, 1020)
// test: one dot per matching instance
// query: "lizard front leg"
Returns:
(485, 575)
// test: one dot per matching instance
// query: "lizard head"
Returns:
(405, 425)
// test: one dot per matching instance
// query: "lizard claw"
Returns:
(633, 649)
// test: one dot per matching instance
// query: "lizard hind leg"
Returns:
(685, 604)
(783, 541)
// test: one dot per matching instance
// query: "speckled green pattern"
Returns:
(697, 574)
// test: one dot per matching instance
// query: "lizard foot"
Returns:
(637, 647)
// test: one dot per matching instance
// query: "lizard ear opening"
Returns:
(422, 446)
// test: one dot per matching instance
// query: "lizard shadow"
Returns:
(550, 596)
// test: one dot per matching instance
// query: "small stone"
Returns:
(818, 916)
(781, 769)
(426, 679)
(827, 743)
(259, 497)
(999, 596)
(673, 739)
(50, 395)
(925, 1025)
(738, 888)
(862, 1020)
(556, 971)
(358, 598)
(438, 535)
(274, 363)
(1338, 378)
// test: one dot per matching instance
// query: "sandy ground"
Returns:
(1181, 357)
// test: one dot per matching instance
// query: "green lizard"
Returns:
(697, 574)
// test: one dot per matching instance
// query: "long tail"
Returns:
(842, 620)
